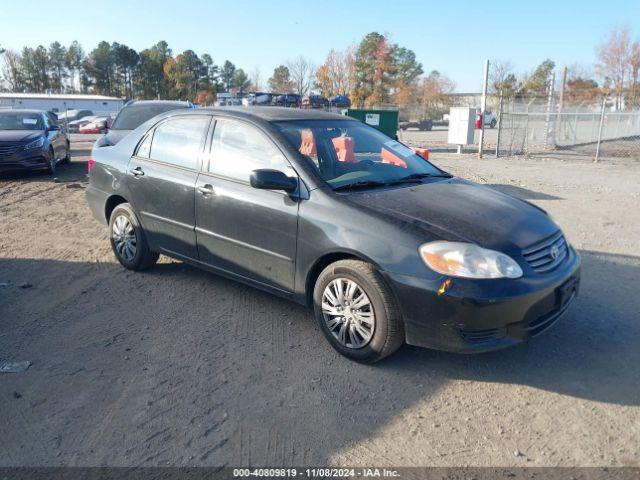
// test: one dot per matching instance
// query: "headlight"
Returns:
(35, 144)
(467, 260)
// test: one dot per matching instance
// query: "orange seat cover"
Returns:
(344, 149)
(393, 159)
(307, 144)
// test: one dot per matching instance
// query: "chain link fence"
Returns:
(539, 124)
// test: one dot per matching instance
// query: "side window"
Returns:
(178, 141)
(145, 147)
(238, 148)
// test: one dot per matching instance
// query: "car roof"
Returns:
(273, 114)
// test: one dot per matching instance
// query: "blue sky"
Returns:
(450, 36)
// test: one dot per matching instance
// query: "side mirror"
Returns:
(53, 128)
(268, 179)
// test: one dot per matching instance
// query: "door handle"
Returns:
(206, 189)
(137, 172)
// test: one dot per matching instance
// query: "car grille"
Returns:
(480, 336)
(548, 254)
(7, 148)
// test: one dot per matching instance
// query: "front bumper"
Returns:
(23, 160)
(481, 315)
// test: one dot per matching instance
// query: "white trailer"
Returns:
(59, 103)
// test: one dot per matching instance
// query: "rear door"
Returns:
(240, 229)
(161, 178)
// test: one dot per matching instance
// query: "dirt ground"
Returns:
(179, 367)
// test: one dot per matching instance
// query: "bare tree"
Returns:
(11, 70)
(614, 60)
(502, 77)
(635, 71)
(302, 73)
(256, 80)
(336, 76)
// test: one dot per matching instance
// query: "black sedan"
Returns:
(31, 140)
(331, 213)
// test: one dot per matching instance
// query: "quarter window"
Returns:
(239, 148)
(145, 147)
(178, 141)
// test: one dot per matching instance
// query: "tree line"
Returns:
(115, 69)
(374, 72)
(615, 74)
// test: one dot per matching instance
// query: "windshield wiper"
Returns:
(361, 184)
(418, 176)
(414, 177)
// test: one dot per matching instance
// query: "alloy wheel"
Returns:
(348, 313)
(124, 238)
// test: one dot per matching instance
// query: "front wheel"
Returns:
(128, 240)
(51, 162)
(357, 312)
(67, 157)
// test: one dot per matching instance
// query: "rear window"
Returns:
(132, 117)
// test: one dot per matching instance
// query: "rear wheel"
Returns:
(356, 311)
(128, 240)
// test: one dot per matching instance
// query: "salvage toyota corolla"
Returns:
(331, 213)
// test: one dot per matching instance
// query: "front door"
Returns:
(240, 229)
(57, 139)
(161, 178)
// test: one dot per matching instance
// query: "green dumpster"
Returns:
(384, 120)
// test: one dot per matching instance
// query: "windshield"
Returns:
(21, 121)
(132, 117)
(348, 153)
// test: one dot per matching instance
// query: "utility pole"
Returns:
(483, 107)
(560, 118)
(500, 106)
(549, 131)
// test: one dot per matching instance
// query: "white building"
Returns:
(98, 104)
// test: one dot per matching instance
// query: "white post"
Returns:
(604, 102)
(483, 106)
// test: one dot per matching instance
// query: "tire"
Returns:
(493, 124)
(387, 331)
(122, 244)
(67, 157)
(51, 162)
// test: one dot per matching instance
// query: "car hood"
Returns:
(455, 209)
(19, 135)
